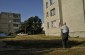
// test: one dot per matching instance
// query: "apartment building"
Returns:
(9, 22)
(70, 11)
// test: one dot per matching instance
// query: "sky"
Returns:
(26, 8)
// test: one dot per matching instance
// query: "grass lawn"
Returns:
(41, 45)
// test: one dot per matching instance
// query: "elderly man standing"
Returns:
(65, 33)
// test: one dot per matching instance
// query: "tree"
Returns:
(32, 25)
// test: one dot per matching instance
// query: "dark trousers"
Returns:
(65, 39)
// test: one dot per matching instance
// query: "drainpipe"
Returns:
(60, 12)
(84, 10)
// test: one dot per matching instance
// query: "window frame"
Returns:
(47, 14)
(46, 4)
(51, 2)
(53, 24)
(52, 12)
(48, 25)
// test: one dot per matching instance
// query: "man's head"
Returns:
(64, 23)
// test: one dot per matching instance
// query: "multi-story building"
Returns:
(70, 11)
(9, 22)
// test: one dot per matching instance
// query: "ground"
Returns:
(41, 45)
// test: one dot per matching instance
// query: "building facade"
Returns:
(9, 22)
(70, 11)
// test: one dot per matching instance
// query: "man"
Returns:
(65, 34)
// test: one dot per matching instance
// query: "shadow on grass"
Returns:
(42, 43)
(30, 51)
(35, 47)
(76, 43)
(4, 37)
(36, 43)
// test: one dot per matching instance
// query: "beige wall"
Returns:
(73, 15)
(51, 30)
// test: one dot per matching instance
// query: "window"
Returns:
(52, 12)
(16, 20)
(47, 24)
(51, 2)
(47, 14)
(46, 4)
(54, 23)
(16, 15)
(15, 25)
